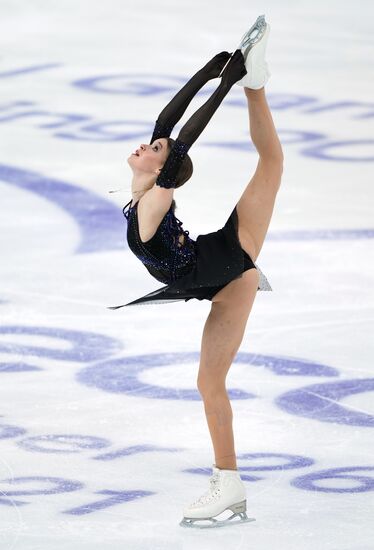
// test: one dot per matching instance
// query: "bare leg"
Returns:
(226, 322)
(261, 126)
(222, 336)
(256, 204)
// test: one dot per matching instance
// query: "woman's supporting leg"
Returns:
(222, 336)
(226, 322)
(256, 204)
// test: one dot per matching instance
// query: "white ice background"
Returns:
(103, 437)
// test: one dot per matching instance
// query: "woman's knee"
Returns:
(211, 390)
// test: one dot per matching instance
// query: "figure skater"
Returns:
(219, 266)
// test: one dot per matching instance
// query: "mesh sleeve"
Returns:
(161, 130)
(188, 135)
(169, 172)
(176, 108)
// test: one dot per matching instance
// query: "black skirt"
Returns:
(219, 260)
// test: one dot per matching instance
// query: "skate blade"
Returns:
(247, 42)
(194, 522)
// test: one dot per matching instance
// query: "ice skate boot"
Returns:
(226, 493)
(253, 46)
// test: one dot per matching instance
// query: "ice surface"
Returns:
(103, 437)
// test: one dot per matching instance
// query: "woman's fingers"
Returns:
(235, 68)
(225, 54)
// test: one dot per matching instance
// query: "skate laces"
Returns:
(211, 493)
(214, 481)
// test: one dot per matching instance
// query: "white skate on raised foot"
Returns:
(253, 46)
(226, 493)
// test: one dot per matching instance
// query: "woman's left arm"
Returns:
(198, 121)
(175, 109)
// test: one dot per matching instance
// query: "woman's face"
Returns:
(149, 158)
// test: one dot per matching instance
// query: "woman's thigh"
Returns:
(224, 330)
(255, 206)
(241, 292)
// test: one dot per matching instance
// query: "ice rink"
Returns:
(103, 436)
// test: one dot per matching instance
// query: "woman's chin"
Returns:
(129, 161)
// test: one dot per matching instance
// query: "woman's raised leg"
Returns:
(231, 306)
(255, 206)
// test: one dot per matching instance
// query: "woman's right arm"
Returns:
(175, 109)
(199, 120)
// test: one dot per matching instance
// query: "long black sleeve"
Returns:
(176, 108)
(189, 134)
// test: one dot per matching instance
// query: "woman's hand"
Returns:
(214, 67)
(235, 70)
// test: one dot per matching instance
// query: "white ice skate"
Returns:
(253, 46)
(226, 492)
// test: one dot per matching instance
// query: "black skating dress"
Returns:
(194, 268)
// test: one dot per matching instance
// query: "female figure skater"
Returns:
(218, 266)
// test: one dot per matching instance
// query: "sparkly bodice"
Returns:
(164, 256)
